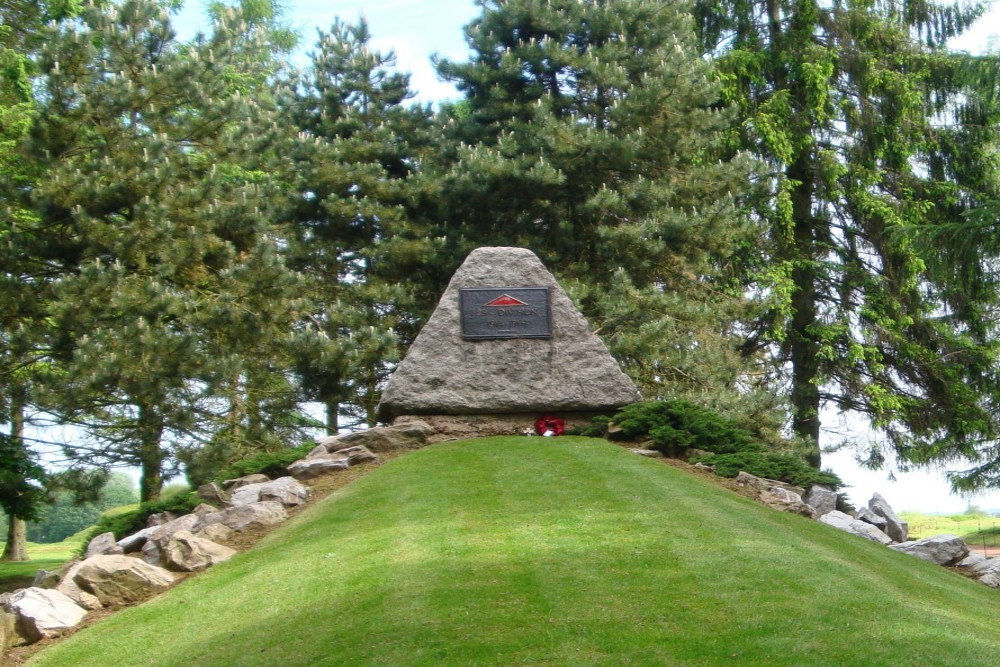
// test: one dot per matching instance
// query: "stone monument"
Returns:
(504, 345)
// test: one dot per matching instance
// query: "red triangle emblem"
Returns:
(505, 300)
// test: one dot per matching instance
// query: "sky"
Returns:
(418, 29)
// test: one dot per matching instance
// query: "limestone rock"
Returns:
(284, 490)
(410, 434)
(971, 561)
(215, 532)
(152, 549)
(988, 572)
(941, 549)
(68, 587)
(118, 580)
(786, 501)
(103, 544)
(188, 553)
(211, 493)
(821, 499)
(254, 515)
(444, 373)
(652, 453)
(152, 553)
(132, 543)
(895, 528)
(186, 522)
(232, 484)
(43, 612)
(203, 509)
(847, 523)
(868, 516)
(763, 484)
(311, 467)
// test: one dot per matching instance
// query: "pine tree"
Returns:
(590, 133)
(858, 109)
(154, 208)
(356, 161)
(24, 279)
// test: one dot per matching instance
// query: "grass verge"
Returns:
(43, 557)
(566, 550)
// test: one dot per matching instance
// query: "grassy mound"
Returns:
(550, 551)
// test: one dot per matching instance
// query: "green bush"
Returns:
(674, 426)
(597, 427)
(782, 467)
(273, 464)
(126, 523)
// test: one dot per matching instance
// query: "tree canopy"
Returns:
(204, 244)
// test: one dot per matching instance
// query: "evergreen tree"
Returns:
(356, 158)
(591, 133)
(23, 277)
(858, 109)
(153, 209)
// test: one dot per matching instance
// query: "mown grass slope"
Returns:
(562, 551)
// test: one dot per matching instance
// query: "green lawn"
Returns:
(554, 551)
(43, 557)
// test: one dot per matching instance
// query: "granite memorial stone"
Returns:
(505, 339)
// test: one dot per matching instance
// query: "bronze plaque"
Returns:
(505, 312)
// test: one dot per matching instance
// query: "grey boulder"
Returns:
(213, 494)
(763, 484)
(284, 490)
(215, 532)
(821, 499)
(135, 541)
(231, 484)
(786, 501)
(42, 612)
(186, 552)
(118, 580)
(941, 549)
(847, 523)
(315, 466)
(868, 516)
(103, 544)
(68, 587)
(244, 517)
(895, 527)
(987, 572)
(409, 434)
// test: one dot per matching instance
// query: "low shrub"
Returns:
(126, 523)
(782, 467)
(674, 426)
(273, 464)
(597, 427)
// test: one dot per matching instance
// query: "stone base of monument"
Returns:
(461, 427)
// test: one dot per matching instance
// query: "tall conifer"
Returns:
(153, 207)
(357, 155)
(860, 111)
(590, 132)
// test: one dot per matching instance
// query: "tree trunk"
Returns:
(16, 547)
(332, 416)
(150, 455)
(802, 337)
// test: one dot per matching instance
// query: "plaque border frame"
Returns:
(462, 291)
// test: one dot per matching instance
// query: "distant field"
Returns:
(975, 530)
(43, 557)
